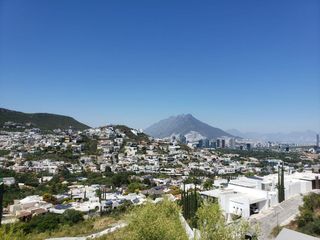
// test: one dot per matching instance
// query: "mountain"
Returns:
(186, 125)
(45, 121)
(302, 137)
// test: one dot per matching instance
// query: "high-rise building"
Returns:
(223, 143)
(248, 145)
(318, 141)
(218, 143)
(232, 143)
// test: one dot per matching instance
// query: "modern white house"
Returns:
(246, 196)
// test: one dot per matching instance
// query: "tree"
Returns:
(42, 223)
(1, 199)
(281, 192)
(308, 220)
(190, 203)
(212, 225)
(155, 221)
(134, 187)
(49, 198)
(208, 184)
(108, 171)
(174, 190)
(72, 216)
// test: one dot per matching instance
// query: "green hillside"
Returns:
(44, 121)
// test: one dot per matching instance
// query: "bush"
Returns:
(42, 223)
(156, 221)
(309, 219)
(211, 224)
(52, 221)
(49, 198)
(72, 216)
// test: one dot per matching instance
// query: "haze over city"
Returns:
(248, 65)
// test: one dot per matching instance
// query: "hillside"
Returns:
(44, 121)
(131, 134)
(184, 124)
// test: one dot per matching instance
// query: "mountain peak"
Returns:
(185, 116)
(183, 124)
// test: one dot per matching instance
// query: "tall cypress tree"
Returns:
(282, 182)
(195, 200)
(281, 193)
(1, 199)
(189, 203)
(183, 199)
(279, 185)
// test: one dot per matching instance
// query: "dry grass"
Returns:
(117, 235)
(81, 229)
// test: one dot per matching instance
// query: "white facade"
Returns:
(246, 196)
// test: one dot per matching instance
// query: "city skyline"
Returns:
(249, 66)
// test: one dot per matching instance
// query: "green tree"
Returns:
(42, 223)
(49, 198)
(72, 216)
(208, 184)
(281, 189)
(134, 187)
(212, 225)
(308, 220)
(155, 222)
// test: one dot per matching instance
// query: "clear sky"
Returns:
(250, 65)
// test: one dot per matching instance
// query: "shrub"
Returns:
(72, 216)
(156, 221)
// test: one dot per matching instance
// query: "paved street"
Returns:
(281, 215)
(277, 215)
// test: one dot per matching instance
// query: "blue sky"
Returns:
(250, 65)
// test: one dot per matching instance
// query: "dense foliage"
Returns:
(56, 185)
(309, 219)
(190, 201)
(280, 186)
(290, 157)
(4, 152)
(32, 186)
(211, 224)
(54, 155)
(156, 221)
(51, 221)
(71, 224)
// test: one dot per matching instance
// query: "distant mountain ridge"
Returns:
(300, 137)
(184, 124)
(44, 121)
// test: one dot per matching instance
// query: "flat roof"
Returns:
(216, 192)
(243, 183)
(247, 197)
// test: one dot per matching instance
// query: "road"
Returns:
(280, 214)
